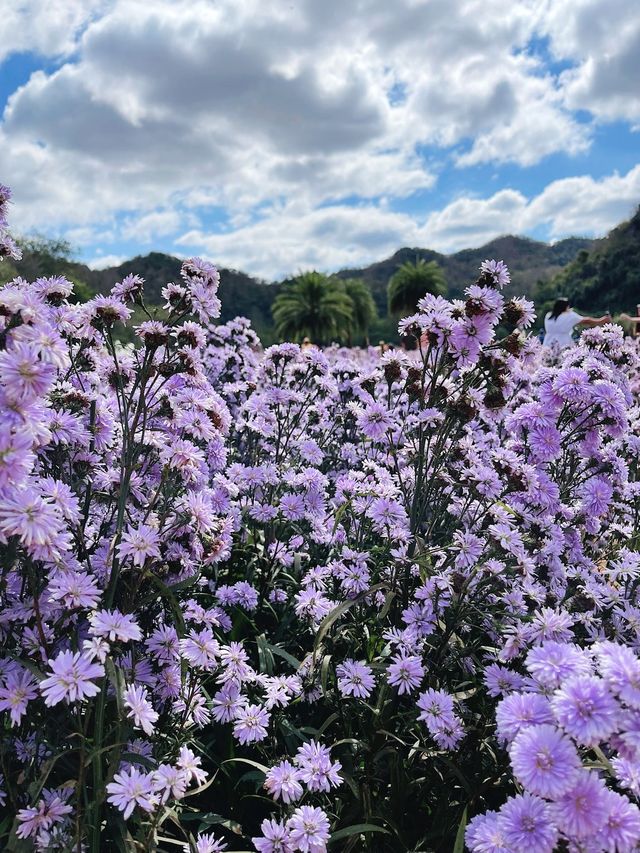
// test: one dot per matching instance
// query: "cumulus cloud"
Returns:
(40, 26)
(604, 45)
(101, 262)
(280, 116)
(292, 238)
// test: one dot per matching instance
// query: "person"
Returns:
(631, 325)
(561, 321)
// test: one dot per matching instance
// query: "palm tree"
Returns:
(364, 308)
(312, 306)
(411, 282)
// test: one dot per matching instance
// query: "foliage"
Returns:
(363, 309)
(411, 282)
(313, 306)
(607, 278)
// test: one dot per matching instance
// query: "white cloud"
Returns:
(101, 262)
(44, 27)
(246, 102)
(279, 115)
(470, 222)
(603, 41)
(292, 238)
(158, 223)
(584, 205)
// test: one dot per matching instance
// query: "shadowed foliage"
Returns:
(411, 282)
(313, 306)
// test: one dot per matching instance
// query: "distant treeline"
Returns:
(596, 275)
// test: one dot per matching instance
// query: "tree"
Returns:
(313, 306)
(411, 282)
(364, 311)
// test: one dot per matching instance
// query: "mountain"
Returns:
(533, 266)
(241, 294)
(605, 277)
(528, 260)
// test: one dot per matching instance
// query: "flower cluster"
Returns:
(292, 597)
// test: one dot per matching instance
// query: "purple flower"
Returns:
(316, 769)
(519, 711)
(485, 834)
(527, 823)
(544, 761)
(114, 625)
(23, 375)
(308, 830)
(498, 271)
(251, 723)
(582, 810)
(405, 672)
(139, 543)
(355, 678)
(436, 708)
(586, 710)
(283, 781)
(620, 668)
(553, 663)
(132, 788)
(140, 709)
(15, 694)
(70, 679)
(275, 838)
(621, 832)
(206, 842)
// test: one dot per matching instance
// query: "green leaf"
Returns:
(169, 597)
(340, 610)
(248, 761)
(458, 847)
(276, 650)
(357, 829)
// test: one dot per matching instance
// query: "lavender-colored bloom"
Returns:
(23, 375)
(275, 838)
(226, 703)
(308, 830)
(70, 679)
(283, 781)
(132, 788)
(317, 770)
(355, 678)
(586, 710)
(139, 543)
(16, 693)
(527, 823)
(498, 271)
(251, 723)
(405, 673)
(436, 708)
(140, 709)
(485, 834)
(582, 811)
(553, 663)
(114, 625)
(621, 832)
(620, 668)
(519, 711)
(206, 842)
(544, 761)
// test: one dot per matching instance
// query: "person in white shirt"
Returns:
(561, 321)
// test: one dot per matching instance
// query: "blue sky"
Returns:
(274, 137)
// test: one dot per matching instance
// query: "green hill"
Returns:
(596, 267)
(605, 278)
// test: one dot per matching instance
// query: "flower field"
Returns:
(302, 599)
